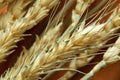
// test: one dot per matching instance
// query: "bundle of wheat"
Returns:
(74, 35)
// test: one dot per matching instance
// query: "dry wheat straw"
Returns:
(46, 40)
(14, 33)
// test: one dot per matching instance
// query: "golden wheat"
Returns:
(78, 44)
(10, 36)
(109, 25)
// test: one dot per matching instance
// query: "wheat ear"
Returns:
(26, 59)
(36, 57)
(6, 22)
(77, 13)
(37, 62)
(43, 40)
(11, 35)
(82, 60)
(80, 8)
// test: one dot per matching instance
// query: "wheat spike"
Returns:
(11, 35)
(6, 22)
(26, 60)
(80, 8)
(82, 61)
